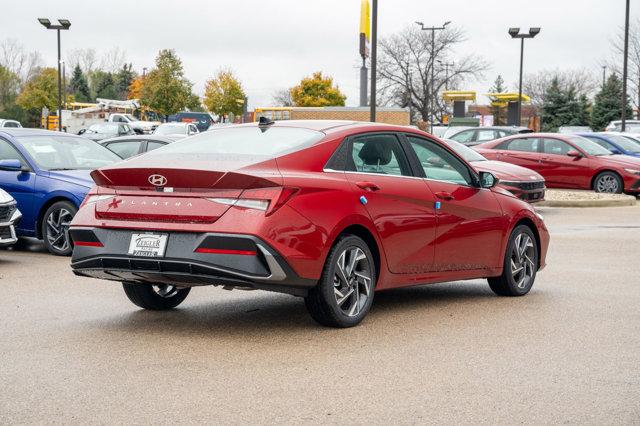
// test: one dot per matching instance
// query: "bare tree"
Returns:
(15, 58)
(282, 97)
(404, 68)
(535, 85)
(86, 58)
(615, 63)
(113, 60)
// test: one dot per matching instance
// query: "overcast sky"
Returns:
(272, 44)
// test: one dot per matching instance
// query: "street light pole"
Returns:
(433, 66)
(64, 25)
(446, 72)
(515, 33)
(374, 59)
(623, 125)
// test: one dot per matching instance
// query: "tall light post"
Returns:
(515, 33)
(64, 25)
(64, 85)
(625, 65)
(374, 59)
(433, 65)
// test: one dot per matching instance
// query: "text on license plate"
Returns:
(148, 245)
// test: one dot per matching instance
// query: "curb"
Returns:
(626, 202)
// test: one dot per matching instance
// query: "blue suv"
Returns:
(48, 175)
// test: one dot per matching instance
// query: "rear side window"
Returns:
(377, 154)
(522, 145)
(485, 135)
(125, 149)
(465, 136)
(245, 140)
(151, 145)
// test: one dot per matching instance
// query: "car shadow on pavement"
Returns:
(281, 313)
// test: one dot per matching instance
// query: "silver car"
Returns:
(9, 217)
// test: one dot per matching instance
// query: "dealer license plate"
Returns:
(148, 245)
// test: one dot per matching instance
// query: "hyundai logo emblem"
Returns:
(157, 180)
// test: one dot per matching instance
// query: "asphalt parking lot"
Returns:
(75, 350)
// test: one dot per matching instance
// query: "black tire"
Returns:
(356, 294)
(55, 224)
(150, 297)
(608, 182)
(510, 283)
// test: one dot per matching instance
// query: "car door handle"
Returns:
(543, 159)
(368, 186)
(445, 196)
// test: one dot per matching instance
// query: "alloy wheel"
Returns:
(58, 229)
(165, 290)
(607, 183)
(522, 265)
(352, 281)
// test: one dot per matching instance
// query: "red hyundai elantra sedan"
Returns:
(567, 161)
(330, 211)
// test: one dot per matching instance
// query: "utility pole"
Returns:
(604, 75)
(446, 72)
(625, 64)
(433, 66)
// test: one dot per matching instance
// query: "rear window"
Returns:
(270, 142)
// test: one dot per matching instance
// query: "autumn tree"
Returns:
(79, 86)
(317, 91)
(165, 89)
(9, 87)
(223, 94)
(40, 91)
(135, 88)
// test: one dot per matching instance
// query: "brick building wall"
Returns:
(398, 116)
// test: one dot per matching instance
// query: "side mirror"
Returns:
(488, 180)
(11, 165)
(575, 154)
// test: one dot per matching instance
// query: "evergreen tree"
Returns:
(563, 107)
(123, 80)
(79, 86)
(606, 107)
(498, 85)
(104, 85)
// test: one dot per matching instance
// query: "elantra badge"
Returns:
(157, 180)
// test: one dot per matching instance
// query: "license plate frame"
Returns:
(148, 245)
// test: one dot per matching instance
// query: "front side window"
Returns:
(67, 152)
(522, 145)
(378, 154)
(588, 146)
(556, 147)
(486, 135)
(440, 164)
(8, 152)
(11, 124)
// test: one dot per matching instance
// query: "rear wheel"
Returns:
(155, 297)
(344, 293)
(520, 264)
(608, 182)
(55, 228)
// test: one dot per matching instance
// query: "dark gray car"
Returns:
(101, 131)
(128, 146)
(478, 135)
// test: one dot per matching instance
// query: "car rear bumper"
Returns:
(230, 260)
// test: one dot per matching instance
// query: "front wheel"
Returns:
(344, 293)
(520, 264)
(608, 182)
(55, 228)
(155, 297)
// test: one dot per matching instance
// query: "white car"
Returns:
(631, 126)
(176, 129)
(9, 123)
(9, 216)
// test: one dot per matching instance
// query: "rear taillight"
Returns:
(266, 199)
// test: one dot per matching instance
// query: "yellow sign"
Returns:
(365, 19)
